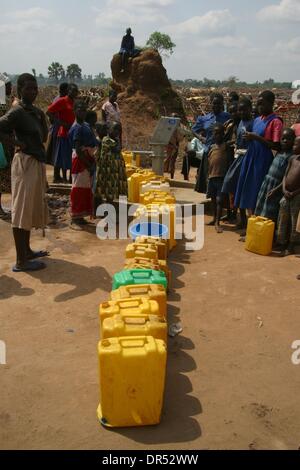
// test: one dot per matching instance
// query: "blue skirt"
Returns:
(63, 153)
(232, 176)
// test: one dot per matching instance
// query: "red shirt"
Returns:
(64, 108)
(274, 130)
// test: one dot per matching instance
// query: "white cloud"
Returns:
(291, 46)
(285, 11)
(30, 14)
(230, 42)
(152, 4)
(212, 23)
(117, 12)
(23, 21)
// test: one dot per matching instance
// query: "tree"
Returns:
(162, 43)
(232, 81)
(270, 83)
(56, 71)
(74, 72)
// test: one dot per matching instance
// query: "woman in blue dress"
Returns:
(266, 136)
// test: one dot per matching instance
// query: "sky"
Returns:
(254, 40)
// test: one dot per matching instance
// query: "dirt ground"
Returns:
(230, 380)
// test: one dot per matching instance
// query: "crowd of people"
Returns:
(248, 162)
(90, 151)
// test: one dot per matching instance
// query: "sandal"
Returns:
(30, 266)
(38, 254)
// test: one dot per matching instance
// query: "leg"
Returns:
(295, 210)
(214, 204)
(219, 211)
(124, 56)
(56, 175)
(21, 238)
(30, 254)
(283, 222)
(243, 222)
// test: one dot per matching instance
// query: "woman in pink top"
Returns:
(296, 126)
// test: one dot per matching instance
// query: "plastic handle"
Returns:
(138, 291)
(133, 343)
(139, 321)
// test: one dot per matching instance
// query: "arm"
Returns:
(82, 156)
(44, 126)
(287, 193)
(8, 124)
(275, 131)
(250, 136)
(275, 191)
(197, 128)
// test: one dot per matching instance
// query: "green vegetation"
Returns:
(162, 43)
(231, 82)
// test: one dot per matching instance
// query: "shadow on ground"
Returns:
(84, 280)
(10, 287)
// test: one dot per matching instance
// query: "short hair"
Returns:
(290, 131)
(64, 87)
(71, 86)
(268, 96)
(79, 104)
(234, 96)
(218, 96)
(112, 93)
(218, 126)
(22, 79)
(129, 30)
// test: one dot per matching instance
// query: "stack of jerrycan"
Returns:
(157, 197)
(134, 184)
(131, 158)
(160, 213)
(260, 235)
(159, 184)
(133, 347)
(133, 355)
(146, 256)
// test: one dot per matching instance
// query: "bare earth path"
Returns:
(230, 381)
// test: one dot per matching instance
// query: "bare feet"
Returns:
(289, 251)
(218, 228)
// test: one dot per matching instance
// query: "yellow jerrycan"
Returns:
(260, 235)
(132, 381)
(155, 292)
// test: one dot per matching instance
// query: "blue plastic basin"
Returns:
(149, 230)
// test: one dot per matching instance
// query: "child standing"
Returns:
(84, 145)
(271, 191)
(219, 160)
(290, 205)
